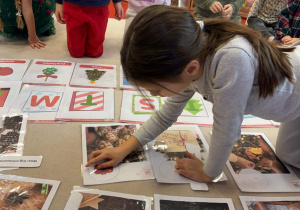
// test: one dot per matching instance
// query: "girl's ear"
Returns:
(192, 68)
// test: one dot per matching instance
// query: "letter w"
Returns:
(34, 101)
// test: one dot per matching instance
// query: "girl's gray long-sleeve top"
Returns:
(230, 82)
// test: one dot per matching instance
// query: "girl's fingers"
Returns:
(106, 164)
(95, 154)
(190, 155)
(179, 166)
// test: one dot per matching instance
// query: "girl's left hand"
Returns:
(119, 11)
(34, 42)
(192, 168)
(227, 11)
(291, 41)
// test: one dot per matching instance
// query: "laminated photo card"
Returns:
(40, 103)
(12, 133)
(8, 93)
(49, 72)
(171, 145)
(26, 193)
(89, 199)
(87, 104)
(166, 202)
(137, 109)
(256, 168)
(13, 69)
(94, 76)
(270, 203)
(135, 166)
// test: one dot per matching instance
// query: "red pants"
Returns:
(86, 28)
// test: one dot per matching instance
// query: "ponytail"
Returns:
(273, 63)
(19, 19)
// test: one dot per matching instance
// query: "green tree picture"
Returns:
(94, 75)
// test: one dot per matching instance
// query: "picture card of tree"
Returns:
(135, 166)
(256, 168)
(84, 198)
(171, 145)
(94, 76)
(26, 193)
(270, 203)
(13, 69)
(8, 93)
(137, 108)
(49, 72)
(166, 202)
(40, 103)
(87, 104)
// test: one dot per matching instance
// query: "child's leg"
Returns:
(76, 29)
(130, 14)
(288, 142)
(97, 23)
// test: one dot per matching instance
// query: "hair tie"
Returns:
(201, 24)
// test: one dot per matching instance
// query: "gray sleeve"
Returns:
(232, 82)
(164, 117)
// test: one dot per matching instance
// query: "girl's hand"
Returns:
(291, 41)
(112, 155)
(59, 13)
(119, 11)
(227, 11)
(216, 7)
(286, 38)
(192, 168)
(34, 42)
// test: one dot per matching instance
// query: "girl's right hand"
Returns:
(111, 156)
(59, 13)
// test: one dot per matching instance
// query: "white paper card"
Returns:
(270, 203)
(41, 103)
(135, 166)
(94, 76)
(32, 192)
(8, 93)
(13, 69)
(179, 202)
(99, 199)
(171, 145)
(49, 72)
(264, 171)
(87, 104)
(137, 109)
(20, 161)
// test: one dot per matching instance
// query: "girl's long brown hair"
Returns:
(162, 40)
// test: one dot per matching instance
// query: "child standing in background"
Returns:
(27, 18)
(230, 64)
(226, 9)
(263, 16)
(86, 22)
(288, 30)
(135, 6)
